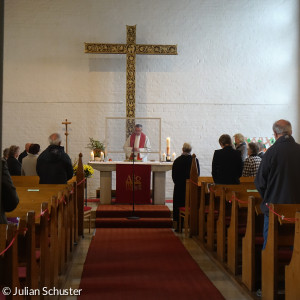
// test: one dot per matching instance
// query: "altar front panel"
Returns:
(158, 170)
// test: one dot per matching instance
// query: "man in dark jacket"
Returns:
(9, 196)
(180, 173)
(227, 164)
(277, 179)
(24, 153)
(54, 166)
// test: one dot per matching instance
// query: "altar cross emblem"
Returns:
(130, 49)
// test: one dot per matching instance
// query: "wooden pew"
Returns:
(9, 276)
(191, 208)
(204, 200)
(238, 221)
(253, 235)
(61, 222)
(219, 208)
(27, 246)
(280, 234)
(195, 201)
(59, 231)
(292, 271)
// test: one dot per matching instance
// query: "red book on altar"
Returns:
(124, 184)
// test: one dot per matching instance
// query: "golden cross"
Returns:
(66, 133)
(130, 49)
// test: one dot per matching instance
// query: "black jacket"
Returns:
(278, 176)
(9, 196)
(22, 155)
(54, 166)
(227, 166)
(14, 166)
(180, 172)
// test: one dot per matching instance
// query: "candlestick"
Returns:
(105, 154)
(173, 156)
(92, 155)
(168, 146)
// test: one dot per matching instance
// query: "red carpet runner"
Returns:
(142, 263)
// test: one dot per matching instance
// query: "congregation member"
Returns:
(54, 166)
(137, 142)
(9, 196)
(277, 179)
(180, 173)
(29, 161)
(14, 166)
(261, 149)
(252, 162)
(5, 153)
(240, 145)
(24, 153)
(227, 164)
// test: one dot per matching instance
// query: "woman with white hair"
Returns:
(180, 173)
(240, 145)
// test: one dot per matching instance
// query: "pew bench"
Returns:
(9, 275)
(292, 271)
(237, 227)
(280, 237)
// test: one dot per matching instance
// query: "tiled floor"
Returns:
(220, 279)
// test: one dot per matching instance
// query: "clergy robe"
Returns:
(137, 141)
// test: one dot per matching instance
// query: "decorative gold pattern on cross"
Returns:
(130, 49)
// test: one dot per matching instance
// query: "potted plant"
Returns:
(96, 146)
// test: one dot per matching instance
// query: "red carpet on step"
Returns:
(142, 263)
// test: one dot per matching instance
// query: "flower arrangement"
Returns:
(88, 170)
(96, 146)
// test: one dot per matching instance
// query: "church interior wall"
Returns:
(236, 70)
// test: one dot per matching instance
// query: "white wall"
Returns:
(236, 70)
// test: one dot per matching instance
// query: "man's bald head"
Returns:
(27, 146)
(282, 127)
(55, 139)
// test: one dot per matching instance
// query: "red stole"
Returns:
(142, 140)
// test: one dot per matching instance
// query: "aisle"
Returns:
(142, 263)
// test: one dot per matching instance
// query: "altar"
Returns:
(158, 170)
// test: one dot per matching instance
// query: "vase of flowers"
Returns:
(87, 170)
(97, 147)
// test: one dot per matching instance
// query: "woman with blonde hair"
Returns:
(240, 145)
(14, 166)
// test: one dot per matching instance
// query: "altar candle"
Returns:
(173, 156)
(164, 157)
(105, 153)
(92, 155)
(168, 146)
(102, 156)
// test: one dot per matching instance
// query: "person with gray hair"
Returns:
(54, 166)
(240, 145)
(180, 173)
(261, 148)
(55, 139)
(277, 179)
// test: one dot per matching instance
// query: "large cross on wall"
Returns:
(130, 49)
